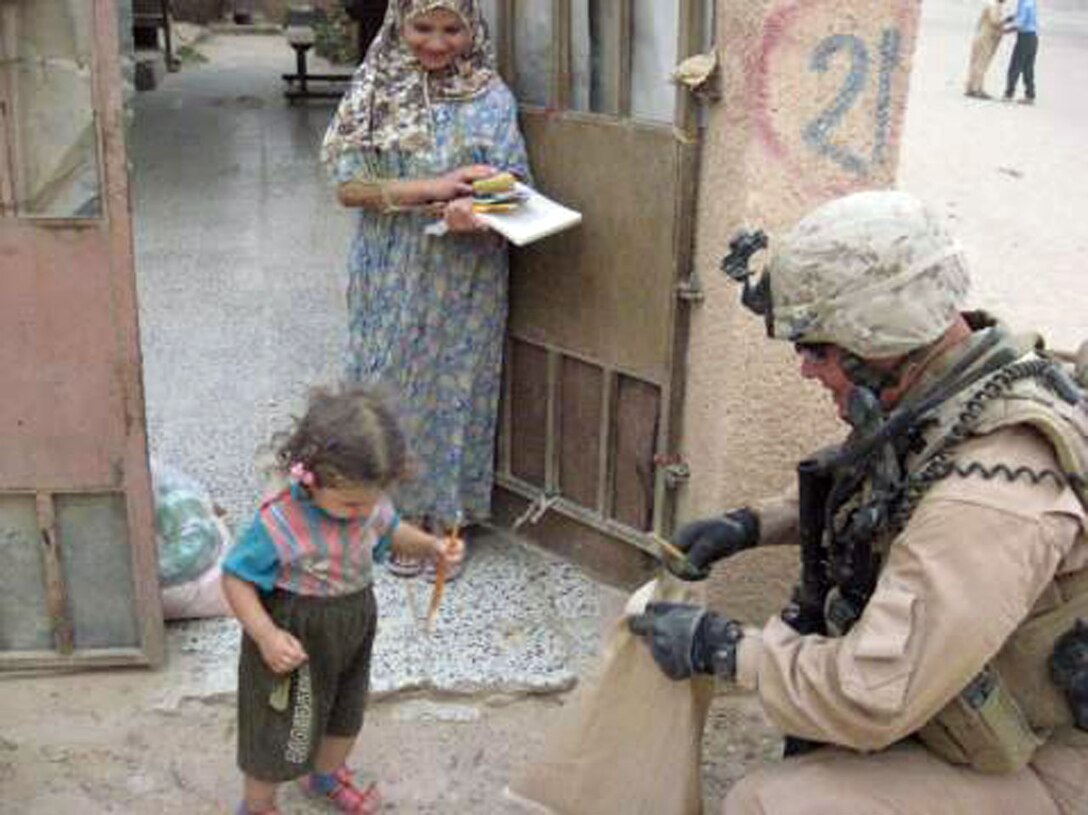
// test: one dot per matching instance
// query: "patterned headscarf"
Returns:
(388, 105)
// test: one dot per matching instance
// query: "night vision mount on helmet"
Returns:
(875, 273)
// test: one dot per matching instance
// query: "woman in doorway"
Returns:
(427, 114)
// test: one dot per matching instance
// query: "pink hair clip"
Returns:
(300, 474)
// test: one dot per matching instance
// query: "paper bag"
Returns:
(629, 742)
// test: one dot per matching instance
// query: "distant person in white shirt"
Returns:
(988, 33)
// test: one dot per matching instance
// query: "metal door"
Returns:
(78, 579)
(598, 314)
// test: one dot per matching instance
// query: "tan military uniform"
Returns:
(959, 579)
(952, 644)
(987, 38)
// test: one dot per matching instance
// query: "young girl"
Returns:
(299, 581)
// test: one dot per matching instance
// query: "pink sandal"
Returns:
(346, 795)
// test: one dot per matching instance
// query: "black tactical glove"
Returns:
(1069, 669)
(687, 640)
(708, 541)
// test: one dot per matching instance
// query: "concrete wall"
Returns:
(814, 96)
(813, 104)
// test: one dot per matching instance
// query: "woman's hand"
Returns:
(460, 216)
(457, 183)
(282, 653)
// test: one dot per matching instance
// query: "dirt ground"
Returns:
(97, 743)
(90, 744)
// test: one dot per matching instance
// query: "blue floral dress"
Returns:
(428, 314)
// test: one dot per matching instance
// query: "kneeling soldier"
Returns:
(931, 661)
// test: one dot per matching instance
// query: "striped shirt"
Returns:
(294, 545)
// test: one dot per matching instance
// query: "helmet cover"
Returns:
(875, 273)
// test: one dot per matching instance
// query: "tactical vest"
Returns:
(996, 723)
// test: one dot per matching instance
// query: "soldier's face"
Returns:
(824, 364)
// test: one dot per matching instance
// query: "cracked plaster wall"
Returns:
(814, 94)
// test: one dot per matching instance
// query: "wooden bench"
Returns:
(300, 35)
(148, 16)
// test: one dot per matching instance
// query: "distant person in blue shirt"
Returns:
(1022, 60)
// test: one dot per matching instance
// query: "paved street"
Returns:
(1010, 178)
(240, 250)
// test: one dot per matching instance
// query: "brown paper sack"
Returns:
(629, 743)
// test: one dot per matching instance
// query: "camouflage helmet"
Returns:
(874, 272)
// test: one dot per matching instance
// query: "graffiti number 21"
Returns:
(818, 132)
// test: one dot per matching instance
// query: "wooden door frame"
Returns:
(684, 127)
(133, 483)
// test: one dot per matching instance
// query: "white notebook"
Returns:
(536, 218)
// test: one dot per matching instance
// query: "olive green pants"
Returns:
(327, 693)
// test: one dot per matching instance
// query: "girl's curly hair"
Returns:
(346, 437)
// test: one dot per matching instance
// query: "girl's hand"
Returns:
(282, 653)
(458, 183)
(460, 217)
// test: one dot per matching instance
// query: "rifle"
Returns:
(853, 561)
(805, 614)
